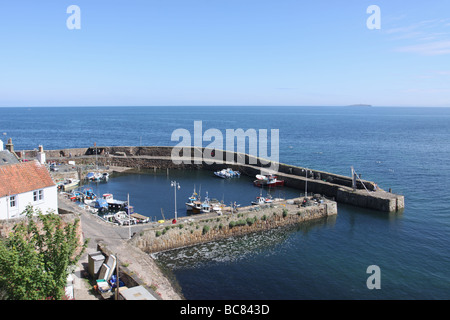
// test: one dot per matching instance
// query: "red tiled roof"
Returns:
(23, 177)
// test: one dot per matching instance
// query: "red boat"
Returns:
(269, 181)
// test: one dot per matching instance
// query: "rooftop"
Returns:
(7, 157)
(23, 177)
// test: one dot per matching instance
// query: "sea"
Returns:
(405, 149)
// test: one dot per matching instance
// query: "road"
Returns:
(115, 238)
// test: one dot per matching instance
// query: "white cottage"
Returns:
(26, 183)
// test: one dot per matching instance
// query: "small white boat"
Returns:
(227, 173)
(261, 200)
(217, 207)
(68, 184)
(122, 218)
(97, 176)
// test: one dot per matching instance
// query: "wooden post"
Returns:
(117, 278)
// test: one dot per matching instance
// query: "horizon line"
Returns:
(251, 106)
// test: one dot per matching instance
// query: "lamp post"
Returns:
(176, 186)
(306, 182)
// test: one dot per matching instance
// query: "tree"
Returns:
(35, 258)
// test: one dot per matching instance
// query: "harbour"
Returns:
(311, 262)
(225, 151)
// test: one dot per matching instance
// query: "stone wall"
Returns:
(151, 157)
(212, 228)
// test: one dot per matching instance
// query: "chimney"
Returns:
(41, 155)
(9, 146)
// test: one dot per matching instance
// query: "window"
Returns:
(38, 195)
(12, 201)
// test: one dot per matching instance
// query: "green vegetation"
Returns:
(158, 233)
(36, 258)
(285, 212)
(205, 229)
(251, 221)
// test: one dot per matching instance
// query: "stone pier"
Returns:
(340, 188)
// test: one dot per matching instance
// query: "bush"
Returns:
(158, 233)
(205, 229)
(232, 224)
(264, 218)
(251, 221)
(285, 212)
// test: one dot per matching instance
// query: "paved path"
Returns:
(115, 238)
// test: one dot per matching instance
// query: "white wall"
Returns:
(50, 201)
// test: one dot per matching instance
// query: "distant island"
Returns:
(360, 105)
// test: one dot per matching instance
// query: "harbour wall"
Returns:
(211, 227)
(331, 185)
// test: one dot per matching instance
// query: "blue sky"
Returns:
(224, 52)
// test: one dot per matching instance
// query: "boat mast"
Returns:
(129, 218)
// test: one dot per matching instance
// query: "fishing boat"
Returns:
(217, 208)
(197, 207)
(86, 196)
(206, 207)
(99, 204)
(267, 181)
(93, 176)
(97, 176)
(227, 173)
(202, 207)
(190, 203)
(122, 218)
(68, 184)
(262, 200)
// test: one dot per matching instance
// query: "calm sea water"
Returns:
(406, 149)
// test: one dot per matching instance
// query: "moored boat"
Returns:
(269, 181)
(227, 173)
(97, 176)
(68, 184)
(190, 203)
(122, 218)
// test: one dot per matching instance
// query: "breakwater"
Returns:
(363, 194)
(211, 227)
